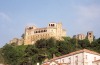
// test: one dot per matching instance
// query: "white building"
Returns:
(97, 62)
(81, 57)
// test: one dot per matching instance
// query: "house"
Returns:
(81, 57)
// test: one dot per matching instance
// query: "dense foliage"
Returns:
(44, 49)
(1, 58)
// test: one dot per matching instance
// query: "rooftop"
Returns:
(76, 52)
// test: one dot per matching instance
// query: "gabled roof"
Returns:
(76, 52)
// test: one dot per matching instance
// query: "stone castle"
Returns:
(33, 33)
(89, 36)
(17, 41)
(55, 30)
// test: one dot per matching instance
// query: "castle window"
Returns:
(41, 30)
(45, 30)
(53, 24)
(29, 27)
(49, 24)
(38, 31)
(89, 33)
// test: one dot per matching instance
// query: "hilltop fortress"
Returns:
(33, 33)
(55, 30)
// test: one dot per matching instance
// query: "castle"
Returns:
(33, 33)
(89, 36)
(55, 30)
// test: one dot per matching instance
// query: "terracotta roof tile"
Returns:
(76, 52)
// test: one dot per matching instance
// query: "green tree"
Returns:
(9, 54)
(43, 49)
(95, 45)
(12, 54)
(84, 43)
(1, 57)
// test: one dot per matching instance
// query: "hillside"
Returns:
(1, 58)
(45, 49)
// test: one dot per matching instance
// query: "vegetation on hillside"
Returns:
(44, 49)
(1, 57)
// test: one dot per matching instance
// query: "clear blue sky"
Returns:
(77, 16)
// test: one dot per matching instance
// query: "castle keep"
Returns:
(33, 33)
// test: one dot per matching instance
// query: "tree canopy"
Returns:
(44, 49)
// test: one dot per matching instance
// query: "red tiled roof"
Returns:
(76, 52)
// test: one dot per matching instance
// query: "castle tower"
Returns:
(59, 29)
(90, 36)
(29, 31)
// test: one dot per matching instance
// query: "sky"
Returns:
(77, 16)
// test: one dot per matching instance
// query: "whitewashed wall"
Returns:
(90, 58)
(79, 59)
(72, 60)
(82, 58)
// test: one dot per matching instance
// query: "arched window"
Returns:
(38, 31)
(44, 30)
(49, 24)
(41, 30)
(53, 24)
